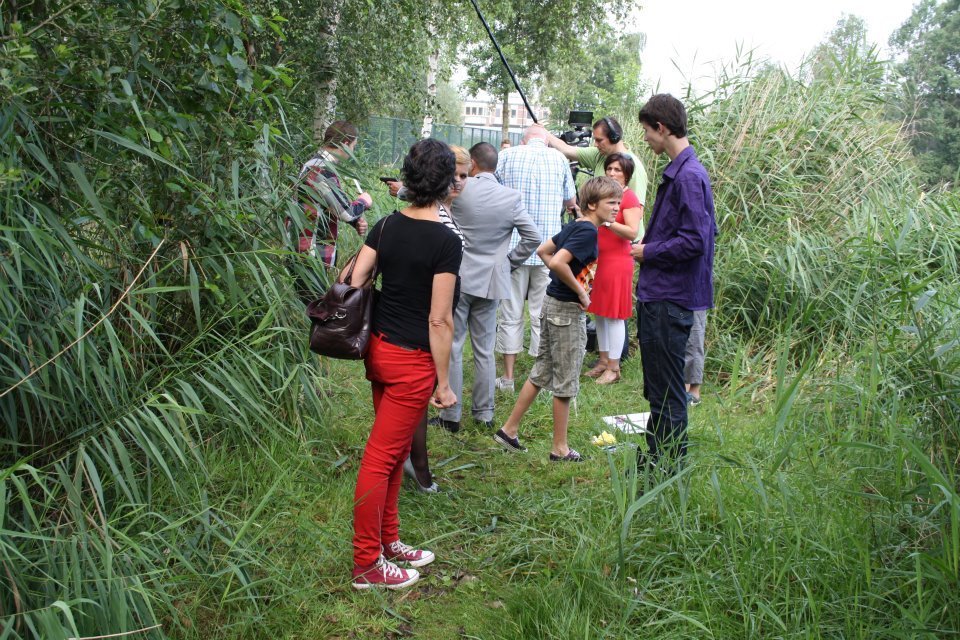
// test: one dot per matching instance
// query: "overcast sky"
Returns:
(697, 34)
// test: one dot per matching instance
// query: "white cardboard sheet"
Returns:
(629, 422)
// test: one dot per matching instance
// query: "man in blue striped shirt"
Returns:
(542, 176)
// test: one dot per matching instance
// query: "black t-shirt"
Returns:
(580, 239)
(411, 252)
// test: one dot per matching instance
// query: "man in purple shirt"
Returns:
(676, 277)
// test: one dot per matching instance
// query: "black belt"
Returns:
(397, 343)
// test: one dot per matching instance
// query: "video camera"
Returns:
(581, 130)
(580, 123)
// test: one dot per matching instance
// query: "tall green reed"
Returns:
(842, 277)
(836, 311)
(148, 312)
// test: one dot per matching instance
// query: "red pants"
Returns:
(402, 381)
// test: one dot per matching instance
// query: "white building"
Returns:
(485, 110)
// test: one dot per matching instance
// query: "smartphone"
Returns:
(388, 179)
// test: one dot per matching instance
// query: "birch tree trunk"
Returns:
(325, 95)
(506, 114)
(433, 62)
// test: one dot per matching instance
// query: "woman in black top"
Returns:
(418, 259)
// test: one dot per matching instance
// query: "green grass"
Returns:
(760, 536)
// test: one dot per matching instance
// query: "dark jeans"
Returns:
(662, 330)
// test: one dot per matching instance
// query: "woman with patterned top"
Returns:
(325, 206)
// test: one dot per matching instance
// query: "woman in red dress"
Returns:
(612, 300)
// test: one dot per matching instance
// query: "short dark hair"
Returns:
(485, 155)
(605, 123)
(428, 170)
(599, 188)
(626, 163)
(340, 133)
(664, 109)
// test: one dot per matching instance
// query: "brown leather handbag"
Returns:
(340, 320)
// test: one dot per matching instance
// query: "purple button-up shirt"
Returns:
(678, 244)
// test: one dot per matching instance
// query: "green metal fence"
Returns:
(387, 140)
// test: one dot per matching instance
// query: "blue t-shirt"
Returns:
(580, 239)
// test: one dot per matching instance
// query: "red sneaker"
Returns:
(384, 574)
(399, 552)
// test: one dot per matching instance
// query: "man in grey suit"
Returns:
(487, 213)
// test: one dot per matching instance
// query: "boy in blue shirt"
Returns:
(571, 256)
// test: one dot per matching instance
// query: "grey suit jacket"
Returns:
(487, 213)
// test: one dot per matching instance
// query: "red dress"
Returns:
(612, 295)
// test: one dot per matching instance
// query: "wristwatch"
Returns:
(607, 224)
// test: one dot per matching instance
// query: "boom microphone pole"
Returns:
(503, 59)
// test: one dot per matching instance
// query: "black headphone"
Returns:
(613, 134)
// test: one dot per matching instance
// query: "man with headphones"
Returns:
(607, 139)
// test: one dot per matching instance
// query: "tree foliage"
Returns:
(846, 42)
(537, 38)
(374, 58)
(604, 78)
(449, 104)
(929, 41)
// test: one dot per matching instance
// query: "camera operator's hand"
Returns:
(570, 152)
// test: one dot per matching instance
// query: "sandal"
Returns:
(610, 376)
(597, 371)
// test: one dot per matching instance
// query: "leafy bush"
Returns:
(148, 316)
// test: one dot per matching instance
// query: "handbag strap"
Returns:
(348, 278)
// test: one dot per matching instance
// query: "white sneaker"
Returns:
(504, 384)
(399, 552)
